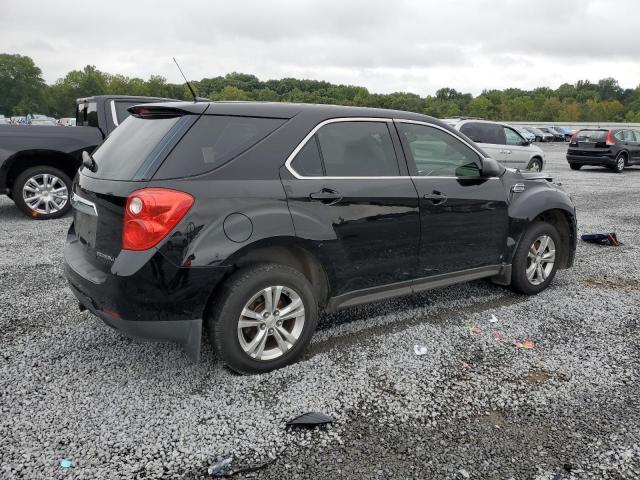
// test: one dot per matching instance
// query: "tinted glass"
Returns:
(212, 142)
(308, 162)
(591, 135)
(636, 133)
(87, 115)
(121, 110)
(512, 137)
(484, 132)
(128, 146)
(357, 149)
(437, 153)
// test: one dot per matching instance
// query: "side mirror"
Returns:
(525, 143)
(491, 168)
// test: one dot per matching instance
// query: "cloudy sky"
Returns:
(393, 45)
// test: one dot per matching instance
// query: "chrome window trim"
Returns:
(432, 125)
(113, 113)
(313, 131)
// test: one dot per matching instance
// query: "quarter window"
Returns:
(437, 153)
(308, 162)
(357, 149)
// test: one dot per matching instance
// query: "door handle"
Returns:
(437, 198)
(505, 151)
(326, 196)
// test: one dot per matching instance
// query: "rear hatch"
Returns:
(590, 142)
(124, 163)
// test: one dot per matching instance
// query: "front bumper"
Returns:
(158, 301)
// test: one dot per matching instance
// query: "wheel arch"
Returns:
(21, 161)
(553, 207)
(290, 251)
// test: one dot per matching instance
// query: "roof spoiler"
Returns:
(149, 111)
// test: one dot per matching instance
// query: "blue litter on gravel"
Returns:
(66, 463)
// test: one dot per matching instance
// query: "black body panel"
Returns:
(372, 237)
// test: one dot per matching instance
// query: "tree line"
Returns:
(22, 91)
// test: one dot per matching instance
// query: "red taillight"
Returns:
(150, 214)
(610, 140)
(574, 138)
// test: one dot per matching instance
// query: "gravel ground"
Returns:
(471, 407)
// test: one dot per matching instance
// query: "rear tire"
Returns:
(42, 192)
(621, 162)
(575, 166)
(263, 342)
(535, 261)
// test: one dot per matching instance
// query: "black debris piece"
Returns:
(310, 419)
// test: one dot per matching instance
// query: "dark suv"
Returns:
(614, 148)
(254, 217)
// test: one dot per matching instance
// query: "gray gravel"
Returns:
(471, 407)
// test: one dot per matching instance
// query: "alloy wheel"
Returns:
(45, 193)
(620, 164)
(535, 166)
(271, 323)
(540, 260)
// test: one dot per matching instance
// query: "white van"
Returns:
(502, 142)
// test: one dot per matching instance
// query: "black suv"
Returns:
(254, 217)
(614, 148)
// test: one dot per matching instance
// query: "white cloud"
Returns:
(404, 45)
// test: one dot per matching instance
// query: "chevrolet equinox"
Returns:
(253, 218)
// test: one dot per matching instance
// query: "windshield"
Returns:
(125, 151)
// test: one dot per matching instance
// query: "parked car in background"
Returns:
(528, 136)
(254, 217)
(18, 120)
(613, 148)
(502, 142)
(556, 136)
(43, 121)
(566, 131)
(67, 122)
(540, 135)
(37, 162)
(4, 120)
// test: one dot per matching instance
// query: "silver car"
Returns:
(502, 142)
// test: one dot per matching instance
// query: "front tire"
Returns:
(42, 192)
(575, 166)
(535, 261)
(535, 165)
(263, 318)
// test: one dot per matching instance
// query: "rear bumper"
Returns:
(158, 301)
(605, 159)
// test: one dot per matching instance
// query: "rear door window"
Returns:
(130, 145)
(480, 132)
(213, 141)
(358, 149)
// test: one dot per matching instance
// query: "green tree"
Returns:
(21, 85)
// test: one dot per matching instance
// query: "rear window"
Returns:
(592, 135)
(87, 114)
(213, 141)
(484, 133)
(125, 151)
